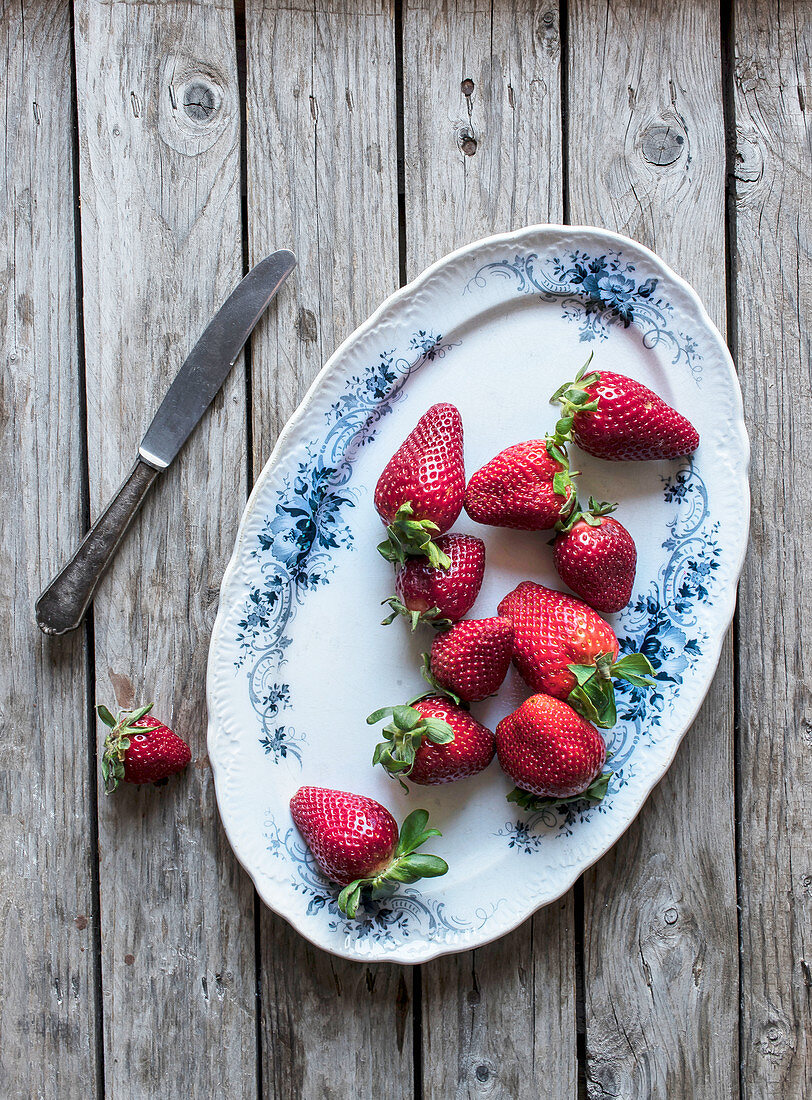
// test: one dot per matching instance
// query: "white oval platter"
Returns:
(298, 656)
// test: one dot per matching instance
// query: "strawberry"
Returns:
(426, 593)
(420, 492)
(563, 648)
(431, 740)
(611, 416)
(355, 842)
(596, 556)
(139, 749)
(471, 660)
(527, 486)
(551, 753)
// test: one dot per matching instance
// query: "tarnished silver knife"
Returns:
(63, 604)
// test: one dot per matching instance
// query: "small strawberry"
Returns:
(551, 753)
(355, 842)
(471, 660)
(563, 648)
(139, 749)
(426, 593)
(420, 492)
(527, 486)
(431, 741)
(611, 416)
(596, 556)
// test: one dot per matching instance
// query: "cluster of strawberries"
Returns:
(565, 651)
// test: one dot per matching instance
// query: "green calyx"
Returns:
(407, 865)
(117, 742)
(591, 515)
(563, 478)
(434, 683)
(574, 399)
(404, 735)
(412, 538)
(533, 802)
(593, 696)
(432, 617)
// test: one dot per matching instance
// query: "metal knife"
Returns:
(63, 604)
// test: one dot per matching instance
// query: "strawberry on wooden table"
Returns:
(356, 843)
(420, 492)
(614, 417)
(551, 753)
(596, 556)
(139, 748)
(527, 487)
(430, 594)
(471, 660)
(563, 648)
(431, 740)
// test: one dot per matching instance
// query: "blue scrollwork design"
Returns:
(597, 292)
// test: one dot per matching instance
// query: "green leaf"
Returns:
(438, 731)
(425, 866)
(105, 716)
(411, 830)
(636, 669)
(134, 715)
(377, 715)
(582, 673)
(349, 898)
(406, 718)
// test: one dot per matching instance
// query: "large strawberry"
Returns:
(471, 660)
(563, 648)
(355, 842)
(611, 416)
(431, 740)
(596, 556)
(527, 486)
(420, 492)
(139, 749)
(427, 593)
(551, 753)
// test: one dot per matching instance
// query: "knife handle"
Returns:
(63, 604)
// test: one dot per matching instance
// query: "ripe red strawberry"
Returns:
(551, 753)
(420, 492)
(527, 486)
(596, 556)
(563, 648)
(429, 594)
(139, 749)
(432, 741)
(615, 417)
(471, 660)
(355, 842)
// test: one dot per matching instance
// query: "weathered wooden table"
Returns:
(151, 152)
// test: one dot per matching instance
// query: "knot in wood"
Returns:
(662, 143)
(467, 86)
(670, 915)
(199, 101)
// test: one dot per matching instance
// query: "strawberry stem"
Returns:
(403, 736)
(574, 398)
(432, 617)
(591, 515)
(412, 538)
(593, 696)
(406, 866)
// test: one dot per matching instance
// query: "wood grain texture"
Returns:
(159, 142)
(322, 181)
(482, 144)
(660, 965)
(48, 961)
(772, 279)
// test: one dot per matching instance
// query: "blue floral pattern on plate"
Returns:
(597, 292)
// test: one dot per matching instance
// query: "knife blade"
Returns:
(63, 604)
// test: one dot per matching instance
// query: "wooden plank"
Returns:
(772, 280)
(159, 139)
(48, 965)
(322, 180)
(482, 137)
(660, 939)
